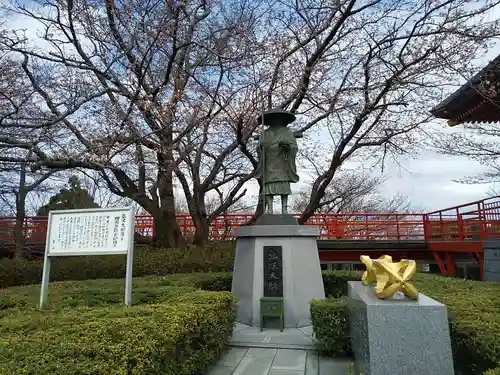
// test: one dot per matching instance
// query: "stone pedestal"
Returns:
(301, 271)
(491, 259)
(398, 337)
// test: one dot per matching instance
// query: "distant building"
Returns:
(478, 100)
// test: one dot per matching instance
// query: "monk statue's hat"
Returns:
(276, 115)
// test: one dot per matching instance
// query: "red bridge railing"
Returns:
(471, 221)
(341, 226)
(461, 229)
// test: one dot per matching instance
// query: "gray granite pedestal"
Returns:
(301, 271)
(492, 259)
(398, 337)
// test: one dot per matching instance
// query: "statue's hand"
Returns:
(284, 145)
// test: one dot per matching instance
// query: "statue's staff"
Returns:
(263, 161)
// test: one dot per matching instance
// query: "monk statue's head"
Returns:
(276, 118)
(275, 122)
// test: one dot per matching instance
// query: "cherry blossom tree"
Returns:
(150, 94)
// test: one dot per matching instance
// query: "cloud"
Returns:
(428, 181)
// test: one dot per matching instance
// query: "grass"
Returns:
(212, 258)
(99, 292)
(473, 307)
(173, 327)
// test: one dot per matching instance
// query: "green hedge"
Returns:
(217, 257)
(172, 329)
(329, 316)
(216, 282)
(335, 282)
(495, 371)
(331, 326)
(474, 314)
(473, 310)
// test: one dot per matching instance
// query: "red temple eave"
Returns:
(477, 101)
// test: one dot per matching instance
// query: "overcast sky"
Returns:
(426, 180)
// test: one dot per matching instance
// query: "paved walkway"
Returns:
(265, 361)
(290, 338)
(272, 352)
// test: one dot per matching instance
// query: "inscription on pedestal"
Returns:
(273, 271)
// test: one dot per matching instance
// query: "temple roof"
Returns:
(478, 100)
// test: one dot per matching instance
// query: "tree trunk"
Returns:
(319, 192)
(20, 214)
(310, 209)
(19, 226)
(202, 230)
(199, 216)
(259, 210)
(167, 233)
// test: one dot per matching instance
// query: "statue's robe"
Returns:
(277, 166)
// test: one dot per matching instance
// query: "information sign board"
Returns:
(96, 231)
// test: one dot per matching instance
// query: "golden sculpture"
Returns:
(390, 277)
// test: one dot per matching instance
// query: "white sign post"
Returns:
(95, 231)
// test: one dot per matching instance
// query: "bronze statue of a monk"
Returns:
(277, 151)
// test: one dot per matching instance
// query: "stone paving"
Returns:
(272, 352)
(290, 338)
(266, 361)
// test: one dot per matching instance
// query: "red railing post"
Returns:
(460, 225)
(397, 228)
(441, 231)
(482, 221)
(450, 264)
(425, 224)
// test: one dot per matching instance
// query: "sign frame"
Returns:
(129, 252)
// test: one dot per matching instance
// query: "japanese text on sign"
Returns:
(273, 271)
(89, 231)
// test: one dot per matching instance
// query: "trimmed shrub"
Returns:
(335, 282)
(473, 307)
(331, 326)
(495, 371)
(173, 330)
(218, 257)
(474, 315)
(218, 282)
(473, 311)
